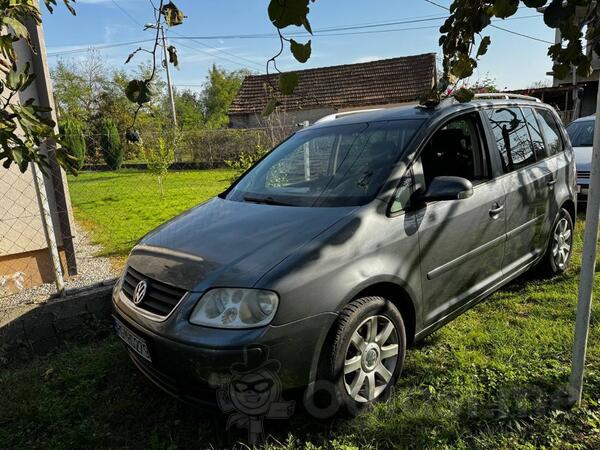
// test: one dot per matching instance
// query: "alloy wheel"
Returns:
(371, 359)
(561, 243)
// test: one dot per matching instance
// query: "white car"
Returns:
(581, 132)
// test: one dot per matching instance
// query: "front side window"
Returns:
(581, 133)
(403, 193)
(342, 165)
(512, 138)
(456, 150)
(551, 132)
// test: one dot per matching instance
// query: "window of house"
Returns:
(512, 138)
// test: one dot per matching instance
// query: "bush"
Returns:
(213, 147)
(245, 160)
(110, 144)
(74, 141)
(160, 157)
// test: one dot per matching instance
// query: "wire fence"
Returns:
(109, 210)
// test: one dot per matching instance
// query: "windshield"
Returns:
(581, 133)
(343, 165)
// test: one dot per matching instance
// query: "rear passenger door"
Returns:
(562, 162)
(528, 178)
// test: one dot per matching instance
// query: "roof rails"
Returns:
(507, 96)
(345, 113)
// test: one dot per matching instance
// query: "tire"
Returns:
(560, 246)
(365, 362)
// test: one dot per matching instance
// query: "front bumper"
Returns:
(193, 371)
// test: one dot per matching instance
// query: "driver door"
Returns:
(461, 241)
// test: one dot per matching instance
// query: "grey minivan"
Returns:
(351, 240)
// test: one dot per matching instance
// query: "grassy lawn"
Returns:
(494, 378)
(120, 207)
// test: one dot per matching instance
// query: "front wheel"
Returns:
(560, 245)
(367, 352)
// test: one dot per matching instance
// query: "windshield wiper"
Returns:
(265, 201)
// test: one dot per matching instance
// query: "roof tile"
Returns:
(386, 81)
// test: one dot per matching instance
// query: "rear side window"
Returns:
(512, 138)
(581, 133)
(551, 131)
(536, 134)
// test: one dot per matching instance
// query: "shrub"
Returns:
(74, 141)
(245, 160)
(160, 157)
(110, 144)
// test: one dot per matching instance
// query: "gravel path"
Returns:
(92, 270)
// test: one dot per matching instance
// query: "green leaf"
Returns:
(556, 12)
(300, 51)
(535, 3)
(270, 107)
(464, 95)
(288, 82)
(464, 67)
(13, 79)
(561, 71)
(138, 91)
(284, 13)
(505, 8)
(173, 55)
(19, 28)
(173, 15)
(584, 66)
(483, 46)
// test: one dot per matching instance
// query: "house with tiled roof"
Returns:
(329, 90)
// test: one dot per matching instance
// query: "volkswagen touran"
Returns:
(347, 243)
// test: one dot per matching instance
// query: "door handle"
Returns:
(495, 211)
(551, 182)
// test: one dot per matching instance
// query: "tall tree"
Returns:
(220, 89)
(189, 108)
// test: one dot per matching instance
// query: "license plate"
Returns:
(133, 341)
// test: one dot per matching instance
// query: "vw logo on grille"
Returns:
(140, 292)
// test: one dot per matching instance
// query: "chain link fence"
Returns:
(108, 210)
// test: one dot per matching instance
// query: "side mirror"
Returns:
(447, 188)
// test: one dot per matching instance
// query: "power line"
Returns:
(533, 38)
(98, 47)
(124, 11)
(356, 33)
(254, 63)
(323, 33)
(134, 20)
(211, 54)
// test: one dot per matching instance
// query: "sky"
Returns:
(215, 26)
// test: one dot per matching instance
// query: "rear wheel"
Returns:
(560, 245)
(367, 352)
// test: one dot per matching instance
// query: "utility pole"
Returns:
(575, 94)
(166, 66)
(588, 265)
(169, 84)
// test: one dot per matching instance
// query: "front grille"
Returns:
(160, 298)
(583, 174)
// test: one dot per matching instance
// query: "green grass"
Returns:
(493, 378)
(120, 207)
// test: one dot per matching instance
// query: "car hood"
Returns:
(228, 243)
(583, 157)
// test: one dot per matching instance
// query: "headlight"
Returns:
(235, 308)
